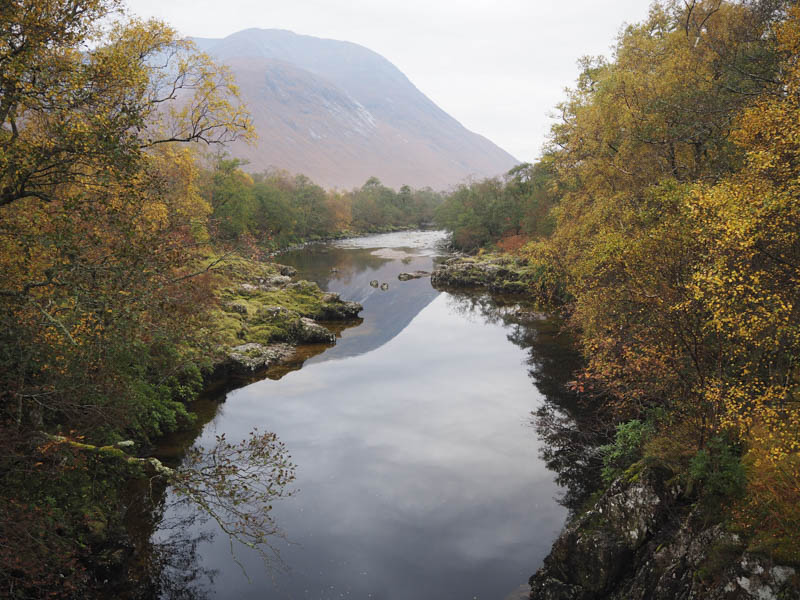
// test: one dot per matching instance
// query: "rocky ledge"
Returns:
(500, 274)
(333, 308)
(642, 540)
(251, 357)
(263, 313)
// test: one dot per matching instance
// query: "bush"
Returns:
(769, 513)
(717, 470)
(626, 448)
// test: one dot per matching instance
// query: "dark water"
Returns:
(420, 473)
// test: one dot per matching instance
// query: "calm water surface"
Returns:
(419, 473)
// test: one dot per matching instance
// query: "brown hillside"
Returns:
(340, 113)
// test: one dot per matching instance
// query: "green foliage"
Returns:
(481, 213)
(67, 506)
(276, 209)
(717, 470)
(625, 450)
(100, 222)
(677, 238)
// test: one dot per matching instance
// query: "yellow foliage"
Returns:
(750, 225)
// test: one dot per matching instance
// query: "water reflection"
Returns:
(415, 480)
(165, 536)
(417, 476)
(570, 428)
(347, 267)
(222, 488)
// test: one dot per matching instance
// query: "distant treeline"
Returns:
(275, 208)
(481, 213)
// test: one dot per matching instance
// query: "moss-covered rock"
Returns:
(500, 273)
(251, 357)
(261, 309)
(412, 275)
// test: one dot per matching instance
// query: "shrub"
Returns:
(716, 470)
(626, 448)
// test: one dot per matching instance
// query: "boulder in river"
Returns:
(414, 275)
(336, 309)
(494, 274)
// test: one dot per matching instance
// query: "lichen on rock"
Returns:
(642, 540)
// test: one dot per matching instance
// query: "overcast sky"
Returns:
(498, 66)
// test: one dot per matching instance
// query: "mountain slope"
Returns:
(341, 113)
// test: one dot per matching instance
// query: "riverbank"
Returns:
(263, 312)
(656, 532)
(647, 538)
(501, 274)
(257, 316)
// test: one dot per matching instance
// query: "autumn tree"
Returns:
(750, 280)
(637, 134)
(101, 283)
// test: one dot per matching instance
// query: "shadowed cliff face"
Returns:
(341, 113)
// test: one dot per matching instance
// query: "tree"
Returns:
(102, 284)
(81, 105)
(637, 134)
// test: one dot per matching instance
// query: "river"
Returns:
(421, 472)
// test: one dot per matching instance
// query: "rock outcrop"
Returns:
(286, 270)
(497, 274)
(642, 540)
(414, 275)
(307, 331)
(264, 312)
(335, 309)
(251, 357)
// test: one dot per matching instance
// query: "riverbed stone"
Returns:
(252, 356)
(307, 331)
(413, 275)
(336, 309)
(498, 274)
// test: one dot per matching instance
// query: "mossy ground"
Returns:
(503, 273)
(254, 303)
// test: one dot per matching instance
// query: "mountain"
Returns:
(341, 113)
